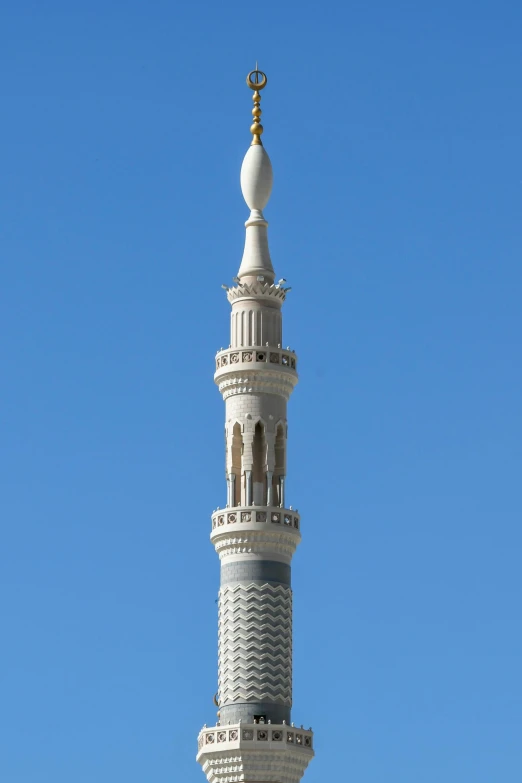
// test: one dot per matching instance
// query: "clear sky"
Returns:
(394, 131)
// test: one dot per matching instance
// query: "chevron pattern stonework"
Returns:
(255, 643)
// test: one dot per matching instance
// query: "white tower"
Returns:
(256, 534)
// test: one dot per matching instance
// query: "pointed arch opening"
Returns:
(280, 465)
(259, 465)
(236, 452)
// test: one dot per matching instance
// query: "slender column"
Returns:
(231, 490)
(248, 477)
(269, 488)
(282, 491)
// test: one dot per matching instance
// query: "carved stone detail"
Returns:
(255, 644)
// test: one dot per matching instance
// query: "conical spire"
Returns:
(256, 185)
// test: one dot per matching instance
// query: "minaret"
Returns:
(256, 534)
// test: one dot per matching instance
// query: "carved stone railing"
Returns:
(257, 516)
(251, 734)
(276, 358)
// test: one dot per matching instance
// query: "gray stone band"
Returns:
(233, 713)
(256, 571)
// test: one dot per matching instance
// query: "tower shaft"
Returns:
(256, 535)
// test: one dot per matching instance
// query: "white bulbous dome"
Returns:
(256, 177)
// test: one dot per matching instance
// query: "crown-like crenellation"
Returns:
(257, 290)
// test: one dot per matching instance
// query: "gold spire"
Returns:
(256, 80)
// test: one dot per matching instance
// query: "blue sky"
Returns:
(394, 131)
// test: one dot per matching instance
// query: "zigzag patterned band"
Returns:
(255, 644)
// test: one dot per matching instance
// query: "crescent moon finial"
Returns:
(257, 81)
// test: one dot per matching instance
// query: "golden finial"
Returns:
(256, 80)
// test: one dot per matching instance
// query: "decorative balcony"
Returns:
(255, 369)
(267, 752)
(266, 531)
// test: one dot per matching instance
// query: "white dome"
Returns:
(256, 177)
